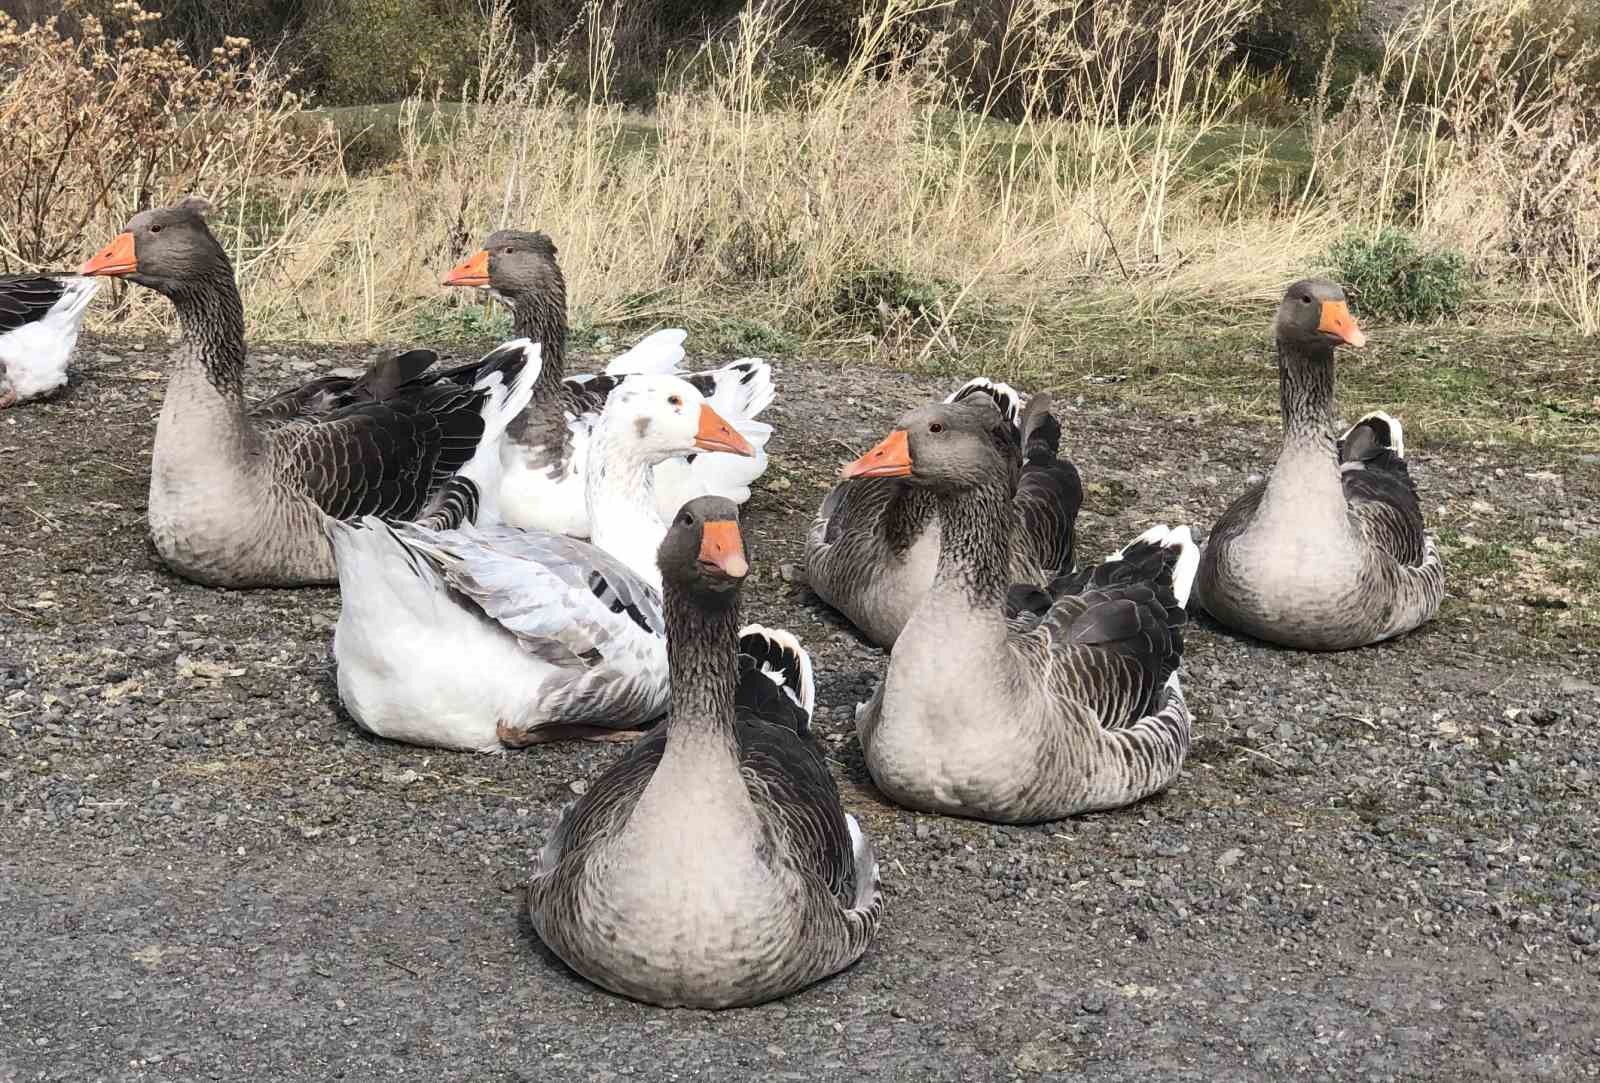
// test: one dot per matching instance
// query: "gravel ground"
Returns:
(1377, 865)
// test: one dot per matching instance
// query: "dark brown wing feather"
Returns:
(25, 299)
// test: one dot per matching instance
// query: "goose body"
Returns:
(873, 547)
(1037, 715)
(713, 865)
(1328, 552)
(482, 638)
(542, 486)
(238, 500)
(40, 317)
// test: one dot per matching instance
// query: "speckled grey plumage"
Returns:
(713, 865)
(1037, 716)
(1329, 552)
(873, 547)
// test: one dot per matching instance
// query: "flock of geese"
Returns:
(525, 555)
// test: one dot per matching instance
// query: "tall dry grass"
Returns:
(753, 192)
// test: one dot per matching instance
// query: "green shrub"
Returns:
(379, 50)
(1389, 277)
(859, 294)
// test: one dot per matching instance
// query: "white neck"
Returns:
(620, 492)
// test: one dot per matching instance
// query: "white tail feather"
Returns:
(786, 648)
(1397, 435)
(657, 354)
(506, 400)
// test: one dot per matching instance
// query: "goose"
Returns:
(484, 639)
(40, 317)
(1043, 714)
(240, 501)
(543, 484)
(1329, 551)
(873, 546)
(712, 866)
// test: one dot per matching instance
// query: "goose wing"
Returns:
(566, 601)
(1378, 490)
(380, 458)
(604, 808)
(1049, 491)
(384, 379)
(798, 803)
(26, 299)
(1113, 634)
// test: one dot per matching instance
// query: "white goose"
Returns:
(485, 637)
(546, 452)
(40, 317)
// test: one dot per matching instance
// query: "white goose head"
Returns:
(647, 420)
(658, 417)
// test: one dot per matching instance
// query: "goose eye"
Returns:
(1306, 298)
(505, 251)
(155, 229)
(936, 427)
(675, 400)
(686, 519)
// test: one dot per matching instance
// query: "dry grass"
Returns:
(785, 205)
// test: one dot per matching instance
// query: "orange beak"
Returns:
(890, 459)
(116, 258)
(722, 547)
(715, 434)
(1336, 320)
(472, 271)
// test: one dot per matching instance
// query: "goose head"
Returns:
(513, 263)
(703, 552)
(163, 249)
(1314, 317)
(659, 417)
(950, 445)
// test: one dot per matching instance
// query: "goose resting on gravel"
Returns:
(1329, 551)
(40, 317)
(713, 865)
(874, 543)
(479, 639)
(1040, 715)
(238, 500)
(543, 485)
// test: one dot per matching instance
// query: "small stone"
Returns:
(579, 787)
(1229, 858)
(1092, 1003)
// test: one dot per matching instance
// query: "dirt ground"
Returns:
(1378, 865)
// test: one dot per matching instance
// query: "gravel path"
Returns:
(1377, 865)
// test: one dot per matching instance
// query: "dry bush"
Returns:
(1476, 132)
(726, 199)
(96, 126)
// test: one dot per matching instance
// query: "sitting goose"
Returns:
(480, 639)
(237, 501)
(712, 866)
(1329, 552)
(1037, 716)
(874, 543)
(40, 317)
(543, 486)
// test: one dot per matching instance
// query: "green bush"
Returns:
(860, 293)
(380, 50)
(1389, 277)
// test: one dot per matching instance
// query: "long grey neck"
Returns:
(702, 644)
(212, 318)
(975, 528)
(908, 515)
(541, 315)
(1305, 395)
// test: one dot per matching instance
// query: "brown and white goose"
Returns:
(237, 500)
(543, 485)
(713, 865)
(874, 544)
(1329, 551)
(40, 317)
(1040, 715)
